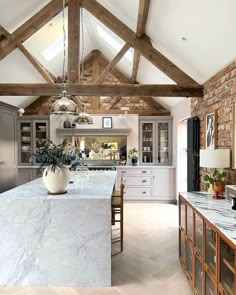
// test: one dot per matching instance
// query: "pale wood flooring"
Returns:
(149, 264)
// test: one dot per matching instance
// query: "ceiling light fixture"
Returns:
(64, 105)
(83, 117)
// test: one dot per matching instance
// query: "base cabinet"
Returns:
(208, 259)
(27, 174)
(148, 183)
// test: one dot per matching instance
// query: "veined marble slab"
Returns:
(218, 212)
(60, 240)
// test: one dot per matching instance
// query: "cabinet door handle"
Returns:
(143, 192)
(144, 171)
(123, 172)
(144, 180)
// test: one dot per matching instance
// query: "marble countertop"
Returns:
(218, 212)
(94, 185)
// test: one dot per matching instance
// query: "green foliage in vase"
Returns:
(133, 153)
(51, 156)
(215, 177)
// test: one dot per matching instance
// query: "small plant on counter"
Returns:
(50, 156)
(216, 178)
(133, 153)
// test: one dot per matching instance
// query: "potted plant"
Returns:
(133, 156)
(52, 159)
(216, 180)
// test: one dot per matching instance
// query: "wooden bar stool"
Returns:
(117, 212)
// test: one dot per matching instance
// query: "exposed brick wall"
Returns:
(219, 96)
(135, 105)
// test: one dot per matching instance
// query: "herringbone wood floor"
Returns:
(149, 264)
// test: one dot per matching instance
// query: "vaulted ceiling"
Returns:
(196, 36)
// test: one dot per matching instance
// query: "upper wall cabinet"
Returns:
(31, 133)
(155, 141)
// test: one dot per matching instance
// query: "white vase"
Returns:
(56, 182)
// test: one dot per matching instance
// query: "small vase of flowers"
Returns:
(133, 156)
(53, 159)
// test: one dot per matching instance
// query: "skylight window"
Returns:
(54, 49)
(113, 42)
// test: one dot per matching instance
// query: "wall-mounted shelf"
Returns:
(92, 131)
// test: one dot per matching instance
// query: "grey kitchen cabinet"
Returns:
(31, 133)
(155, 141)
(8, 147)
(27, 174)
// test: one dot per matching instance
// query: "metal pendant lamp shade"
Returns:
(84, 118)
(64, 105)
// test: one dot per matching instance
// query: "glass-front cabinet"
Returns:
(198, 281)
(210, 249)
(198, 232)
(31, 134)
(25, 143)
(147, 136)
(189, 212)
(227, 267)
(208, 258)
(155, 146)
(210, 286)
(182, 241)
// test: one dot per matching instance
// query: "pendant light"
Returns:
(83, 117)
(64, 105)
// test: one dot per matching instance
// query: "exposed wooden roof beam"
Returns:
(95, 76)
(140, 31)
(142, 17)
(113, 63)
(73, 72)
(114, 101)
(31, 26)
(45, 89)
(141, 44)
(138, 112)
(37, 65)
(49, 77)
(115, 72)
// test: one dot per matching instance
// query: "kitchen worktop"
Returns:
(218, 212)
(57, 240)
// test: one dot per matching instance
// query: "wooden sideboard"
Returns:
(207, 243)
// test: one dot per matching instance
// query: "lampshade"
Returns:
(64, 105)
(84, 118)
(217, 158)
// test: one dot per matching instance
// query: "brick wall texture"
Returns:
(219, 96)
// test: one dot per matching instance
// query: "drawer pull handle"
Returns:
(144, 192)
(123, 171)
(144, 180)
(144, 171)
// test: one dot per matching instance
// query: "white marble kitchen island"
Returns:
(61, 240)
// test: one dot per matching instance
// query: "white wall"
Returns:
(180, 112)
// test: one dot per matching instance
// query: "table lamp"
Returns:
(215, 158)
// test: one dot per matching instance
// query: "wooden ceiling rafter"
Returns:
(31, 26)
(113, 63)
(49, 77)
(141, 44)
(95, 76)
(46, 89)
(73, 71)
(140, 31)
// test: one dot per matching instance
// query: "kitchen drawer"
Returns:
(139, 192)
(135, 171)
(138, 181)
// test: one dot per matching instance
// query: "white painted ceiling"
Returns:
(207, 27)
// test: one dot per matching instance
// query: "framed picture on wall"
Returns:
(211, 130)
(106, 122)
